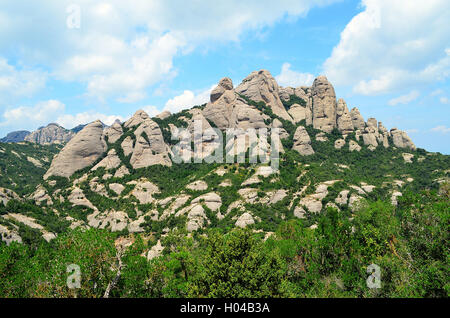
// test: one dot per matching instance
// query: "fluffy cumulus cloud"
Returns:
(151, 110)
(45, 112)
(291, 78)
(69, 121)
(19, 82)
(188, 99)
(39, 114)
(391, 45)
(123, 48)
(404, 99)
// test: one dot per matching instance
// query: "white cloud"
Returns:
(441, 129)
(70, 121)
(15, 82)
(43, 113)
(151, 110)
(404, 99)
(444, 100)
(378, 52)
(291, 78)
(188, 99)
(437, 92)
(124, 48)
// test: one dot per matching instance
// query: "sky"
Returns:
(76, 61)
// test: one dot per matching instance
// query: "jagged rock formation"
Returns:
(111, 161)
(165, 114)
(261, 86)
(324, 104)
(114, 132)
(357, 119)
(150, 148)
(15, 136)
(138, 118)
(343, 119)
(80, 152)
(401, 139)
(302, 142)
(227, 110)
(52, 133)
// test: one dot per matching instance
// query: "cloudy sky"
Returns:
(74, 61)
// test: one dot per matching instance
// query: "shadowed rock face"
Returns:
(15, 136)
(324, 104)
(52, 133)
(80, 152)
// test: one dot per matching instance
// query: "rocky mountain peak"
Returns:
(15, 136)
(261, 86)
(80, 152)
(229, 108)
(138, 117)
(324, 104)
(225, 84)
(52, 133)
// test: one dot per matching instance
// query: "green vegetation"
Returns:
(409, 244)
(20, 174)
(294, 99)
(324, 255)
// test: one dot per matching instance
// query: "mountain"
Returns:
(15, 136)
(339, 180)
(78, 128)
(52, 133)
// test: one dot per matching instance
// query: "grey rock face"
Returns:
(114, 132)
(261, 86)
(344, 121)
(225, 84)
(165, 114)
(137, 119)
(372, 122)
(401, 139)
(357, 119)
(150, 148)
(353, 145)
(228, 110)
(52, 133)
(111, 161)
(324, 105)
(302, 142)
(81, 151)
(297, 112)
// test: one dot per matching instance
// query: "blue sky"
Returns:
(391, 59)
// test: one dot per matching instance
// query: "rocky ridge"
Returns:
(127, 162)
